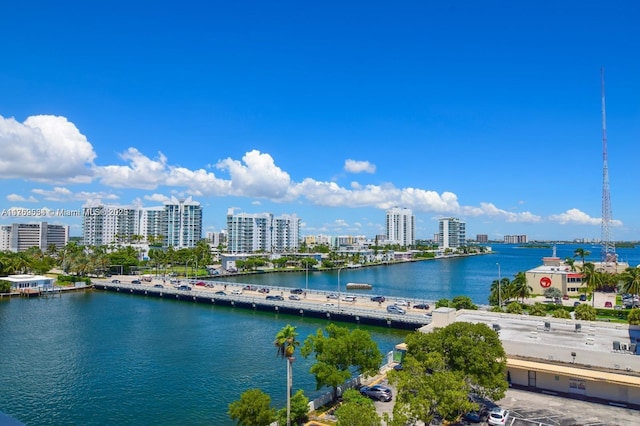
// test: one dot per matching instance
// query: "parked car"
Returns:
(115, 281)
(349, 299)
(184, 287)
(297, 291)
(401, 303)
(476, 416)
(236, 291)
(576, 304)
(565, 297)
(379, 299)
(220, 293)
(332, 296)
(498, 416)
(210, 285)
(135, 282)
(421, 306)
(201, 284)
(377, 392)
(395, 309)
(263, 290)
(608, 304)
(158, 286)
(250, 288)
(583, 297)
(275, 297)
(294, 297)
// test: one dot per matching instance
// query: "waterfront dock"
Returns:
(312, 303)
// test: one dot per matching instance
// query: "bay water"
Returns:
(101, 358)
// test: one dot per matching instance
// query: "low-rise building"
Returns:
(29, 282)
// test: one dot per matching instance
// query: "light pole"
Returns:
(306, 284)
(339, 287)
(499, 288)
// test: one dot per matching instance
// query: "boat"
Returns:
(359, 286)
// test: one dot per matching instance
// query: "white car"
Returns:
(236, 291)
(498, 416)
(401, 303)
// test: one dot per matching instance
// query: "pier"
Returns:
(312, 303)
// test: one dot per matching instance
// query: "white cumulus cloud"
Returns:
(44, 148)
(62, 194)
(258, 176)
(353, 166)
(19, 198)
(576, 216)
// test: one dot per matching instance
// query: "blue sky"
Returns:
(335, 111)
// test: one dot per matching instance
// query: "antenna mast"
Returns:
(608, 248)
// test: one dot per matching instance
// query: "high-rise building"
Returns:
(452, 233)
(516, 239)
(178, 224)
(401, 226)
(251, 232)
(482, 238)
(19, 237)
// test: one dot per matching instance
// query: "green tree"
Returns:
(299, 409)
(520, 287)
(286, 343)
(591, 279)
(514, 308)
(463, 302)
(537, 310)
(552, 293)
(341, 353)
(442, 303)
(441, 368)
(252, 409)
(634, 317)
(585, 312)
(631, 280)
(581, 253)
(357, 410)
(5, 286)
(561, 313)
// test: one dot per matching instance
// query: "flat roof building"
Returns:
(19, 237)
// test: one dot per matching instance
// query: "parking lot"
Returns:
(532, 408)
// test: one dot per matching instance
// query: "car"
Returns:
(329, 304)
(250, 288)
(275, 297)
(136, 282)
(294, 297)
(184, 287)
(576, 304)
(210, 285)
(263, 290)
(401, 303)
(583, 297)
(201, 284)
(377, 392)
(108, 275)
(349, 299)
(421, 306)
(115, 281)
(565, 297)
(297, 291)
(332, 296)
(498, 417)
(608, 304)
(379, 299)
(220, 293)
(158, 286)
(476, 416)
(236, 291)
(395, 309)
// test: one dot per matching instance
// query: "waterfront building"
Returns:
(251, 232)
(582, 358)
(482, 238)
(29, 282)
(19, 237)
(178, 223)
(516, 239)
(452, 233)
(401, 227)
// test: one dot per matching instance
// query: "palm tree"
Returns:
(571, 262)
(286, 343)
(631, 281)
(581, 253)
(520, 286)
(592, 279)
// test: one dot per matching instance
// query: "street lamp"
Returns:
(499, 288)
(306, 285)
(339, 269)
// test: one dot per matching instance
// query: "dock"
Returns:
(346, 307)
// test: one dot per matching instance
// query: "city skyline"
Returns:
(335, 113)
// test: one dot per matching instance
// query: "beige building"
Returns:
(590, 359)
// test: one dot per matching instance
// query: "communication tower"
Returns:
(608, 247)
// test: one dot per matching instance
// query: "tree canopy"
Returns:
(252, 409)
(357, 410)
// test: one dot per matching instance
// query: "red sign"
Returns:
(545, 282)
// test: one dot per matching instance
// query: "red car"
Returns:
(201, 284)
(608, 305)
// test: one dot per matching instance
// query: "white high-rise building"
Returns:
(401, 227)
(19, 237)
(178, 224)
(452, 233)
(251, 232)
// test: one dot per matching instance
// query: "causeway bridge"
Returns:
(354, 307)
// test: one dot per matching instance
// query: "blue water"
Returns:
(100, 358)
